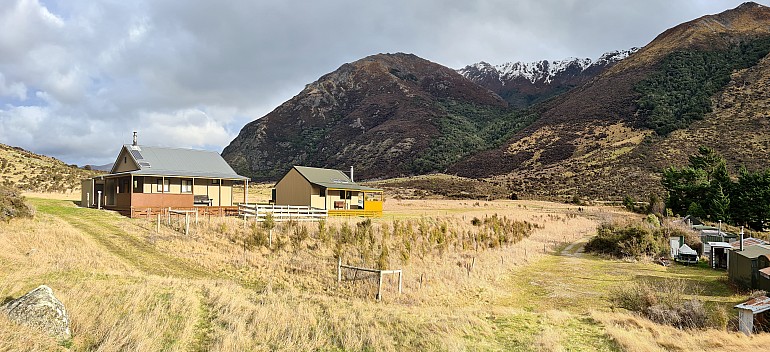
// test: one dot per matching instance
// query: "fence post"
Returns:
(379, 287)
(400, 281)
(157, 226)
(339, 269)
(186, 224)
(169, 216)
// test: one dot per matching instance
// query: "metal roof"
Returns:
(754, 251)
(747, 242)
(329, 178)
(719, 244)
(160, 161)
(756, 305)
(765, 272)
(685, 249)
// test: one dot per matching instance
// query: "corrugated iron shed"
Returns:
(756, 305)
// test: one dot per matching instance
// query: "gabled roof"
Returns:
(692, 220)
(330, 179)
(160, 161)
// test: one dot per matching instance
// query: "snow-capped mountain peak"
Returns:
(541, 71)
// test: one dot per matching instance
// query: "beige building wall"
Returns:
(86, 192)
(316, 201)
(125, 162)
(200, 187)
(227, 193)
(293, 189)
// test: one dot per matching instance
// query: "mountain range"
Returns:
(525, 83)
(575, 127)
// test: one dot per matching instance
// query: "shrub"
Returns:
(634, 240)
(12, 204)
(664, 302)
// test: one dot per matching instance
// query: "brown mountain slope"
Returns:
(378, 114)
(590, 141)
(39, 173)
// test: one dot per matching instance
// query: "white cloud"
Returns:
(77, 76)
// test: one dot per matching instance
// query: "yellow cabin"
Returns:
(327, 189)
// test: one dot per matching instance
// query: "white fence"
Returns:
(281, 212)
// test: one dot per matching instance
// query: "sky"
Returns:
(77, 77)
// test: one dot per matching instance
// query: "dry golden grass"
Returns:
(129, 288)
(638, 334)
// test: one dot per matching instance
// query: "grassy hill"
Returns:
(504, 282)
(38, 173)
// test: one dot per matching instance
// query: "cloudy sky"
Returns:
(77, 76)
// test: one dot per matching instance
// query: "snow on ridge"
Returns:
(541, 70)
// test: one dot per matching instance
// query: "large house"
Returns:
(147, 178)
(327, 189)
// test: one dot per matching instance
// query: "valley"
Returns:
(128, 287)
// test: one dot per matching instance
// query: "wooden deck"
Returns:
(202, 211)
(355, 212)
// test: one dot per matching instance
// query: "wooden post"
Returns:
(186, 223)
(169, 216)
(379, 287)
(400, 281)
(339, 270)
(157, 226)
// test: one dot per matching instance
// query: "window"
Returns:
(214, 182)
(373, 197)
(186, 186)
(163, 185)
(125, 160)
(123, 186)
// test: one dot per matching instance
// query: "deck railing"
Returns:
(259, 212)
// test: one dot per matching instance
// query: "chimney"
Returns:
(134, 143)
(741, 238)
(351, 174)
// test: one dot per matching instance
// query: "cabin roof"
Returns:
(329, 178)
(754, 251)
(161, 161)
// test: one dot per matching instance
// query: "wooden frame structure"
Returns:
(380, 274)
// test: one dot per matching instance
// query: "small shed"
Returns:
(752, 315)
(743, 266)
(717, 253)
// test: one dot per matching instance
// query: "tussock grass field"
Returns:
(499, 276)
